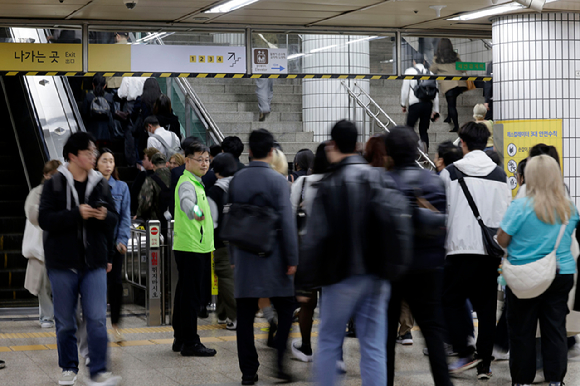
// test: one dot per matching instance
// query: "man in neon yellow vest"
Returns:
(192, 247)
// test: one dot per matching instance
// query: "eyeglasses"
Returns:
(200, 160)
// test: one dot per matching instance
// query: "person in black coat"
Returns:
(164, 113)
(99, 119)
(77, 213)
(421, 286)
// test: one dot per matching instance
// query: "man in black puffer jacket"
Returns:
(77, 214)
(421, 286)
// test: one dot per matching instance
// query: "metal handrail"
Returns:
(353, 93)
(194, 101)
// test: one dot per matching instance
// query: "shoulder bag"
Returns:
(533, 279)
(491, 246)
(301, 213)
(250, 227)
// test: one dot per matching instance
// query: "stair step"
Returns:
(221, 107)
(14, 294)
(13, 278)
(14, 176)
(11, 192)
(280, 137)
(278, 98)
(12, 208)
(9, 224)
(13, 259)
(273, 127)
(11, 241)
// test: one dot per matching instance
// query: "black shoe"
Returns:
(350, 329)
(177, 345)
(197, 350)
(284, 376)
(454, 130)
(250, 381)
(272, 334)
(447, 120)
(2, 364)
(203, 314)
(483, 371)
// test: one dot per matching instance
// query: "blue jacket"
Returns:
(122, 197)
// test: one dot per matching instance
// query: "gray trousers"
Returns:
(226, 305)
(265, 93)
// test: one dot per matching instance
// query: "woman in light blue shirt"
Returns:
(122, 197)
(530, 230)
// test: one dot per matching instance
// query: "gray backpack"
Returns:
(169, 150)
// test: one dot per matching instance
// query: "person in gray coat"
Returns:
(264, 277)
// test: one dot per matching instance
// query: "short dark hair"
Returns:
(494, 156)
(449, 152)
(542, 148)
(99, 84)
(196, 147)
(225, 164)
(419, 58)
(475, 135)
(78, 141)
(233, 145)
(321, 164)
(401, 145)
(151, 120)
(304, 159)
(261, 143)
(215, 150)
(522, 168)
(345, 135)
(189, 140)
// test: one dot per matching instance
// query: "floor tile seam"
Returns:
(134, 343)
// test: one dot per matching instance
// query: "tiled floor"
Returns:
(146, 358)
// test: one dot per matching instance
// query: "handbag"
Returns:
(491, 246)
(250, 227)
(301, 213)
(470, 85)
(533, 279)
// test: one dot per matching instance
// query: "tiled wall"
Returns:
(325, 101)
(536, 57)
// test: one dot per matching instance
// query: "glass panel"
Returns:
(330, 54)
(444, 56)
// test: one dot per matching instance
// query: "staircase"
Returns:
(13, 192)
(387, 94)
(234, 106)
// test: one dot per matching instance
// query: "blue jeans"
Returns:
(365, 298)
(91, 285)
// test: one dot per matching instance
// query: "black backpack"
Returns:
(425, 90)
(165, 198)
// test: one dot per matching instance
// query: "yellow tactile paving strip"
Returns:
(132, 343)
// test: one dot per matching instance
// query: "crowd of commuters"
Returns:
(380, 241)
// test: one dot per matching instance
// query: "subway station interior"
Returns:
(325, 60)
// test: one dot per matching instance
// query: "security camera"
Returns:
(61, 1)
(416, 11)
(536, 5)
(130, 4)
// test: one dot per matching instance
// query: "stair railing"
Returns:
(357, 93)
(192, 100)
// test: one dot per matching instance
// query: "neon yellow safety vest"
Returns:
(192, 235)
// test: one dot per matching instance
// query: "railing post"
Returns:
(399, 53)
(85, 47)
(155, 272)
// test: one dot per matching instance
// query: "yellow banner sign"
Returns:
(40, 57)
(520, 136)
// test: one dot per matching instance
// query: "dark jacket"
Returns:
(150, 198)
(337, 243)
(428, 253)
(488, 86)
(60, 218)
(136, 189)
(255, 276)
(101, 128)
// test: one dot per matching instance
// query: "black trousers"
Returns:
(247, 354)
(489, 114)
(550, 309)
(472, 277)
(421, 112)
(422, 291)
(451, 97)
(115, 287)
(190, 294)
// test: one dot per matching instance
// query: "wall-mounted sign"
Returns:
(270, 61)
(40, 57)
(469, 66)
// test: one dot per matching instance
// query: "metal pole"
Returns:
(154, 261)
(399, 53)
(85, 43)
(248, 51)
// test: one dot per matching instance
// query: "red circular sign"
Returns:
(154, 231)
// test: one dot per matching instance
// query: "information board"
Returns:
(40, 57)
(520, 136)
(270, 61)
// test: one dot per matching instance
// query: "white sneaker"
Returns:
(539, 376)
(87, 361)
(117, 336)
(67, 378)
(232, 325)
(46, 324)
(222, 321)
(500, 355)
(574, 353)
(104, 379)
(341, 367)
(298, 354)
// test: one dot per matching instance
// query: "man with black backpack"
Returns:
(155, 195)
(422, 97)
(167, 142)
